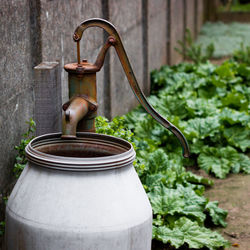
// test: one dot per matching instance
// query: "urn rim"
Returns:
(87, 152)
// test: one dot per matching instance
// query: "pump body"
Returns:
(82, 83)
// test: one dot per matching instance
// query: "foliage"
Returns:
(176, 195)
(2, 228)
(21, 158)
(226, 37)
(221, 160)
(210, 105)
(218, 215)
(240, 8)
(187, 231)
(213, 112)
(194, 51)
(242, 55)
(235, 6)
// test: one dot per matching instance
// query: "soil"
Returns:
(219, 61)
(233, 194)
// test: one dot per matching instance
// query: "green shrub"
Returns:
(2, 228)
(21, 158)
(193, 51)
(242, 55)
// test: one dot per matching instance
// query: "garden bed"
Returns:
(209, 104)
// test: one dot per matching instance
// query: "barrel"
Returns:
(79, 194)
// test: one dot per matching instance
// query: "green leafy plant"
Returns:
(2, 228)
(189, 232)
(235, 6)
(176, 195)
(21, 158)
(190, 50)
(209, 104)
(243, 54)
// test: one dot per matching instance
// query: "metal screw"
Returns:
(112, 40)
(76, 37)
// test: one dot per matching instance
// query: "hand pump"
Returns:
(80, 111)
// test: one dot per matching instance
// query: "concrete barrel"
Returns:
(80, 194)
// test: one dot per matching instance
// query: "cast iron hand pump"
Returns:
(80, 110)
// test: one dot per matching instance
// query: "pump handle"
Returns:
(111, 30)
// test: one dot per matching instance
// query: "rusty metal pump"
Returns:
(81, 109)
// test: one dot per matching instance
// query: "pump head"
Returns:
(82, 86)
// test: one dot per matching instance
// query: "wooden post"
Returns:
(48, 98)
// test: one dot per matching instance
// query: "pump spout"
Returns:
(73, 113)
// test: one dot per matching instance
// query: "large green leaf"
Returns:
(196, 146)
(233, 116)
(219, 161)
(193, 178)
(202, 107)
(187, 231)
(226, 70)
(166, 235)
(166, 201)
(159, 78)
(157, 161)
(171, 104)
(217, 214)
(194, 204)
(197, 236)
(152, 180)
(244, 163)
(169, 170)
(200, 128)
(238, 137)
(133, 117)
(180, 201)
(244, 70)
(149, 130)
(236, 100)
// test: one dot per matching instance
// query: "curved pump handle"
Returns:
(116, 42)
